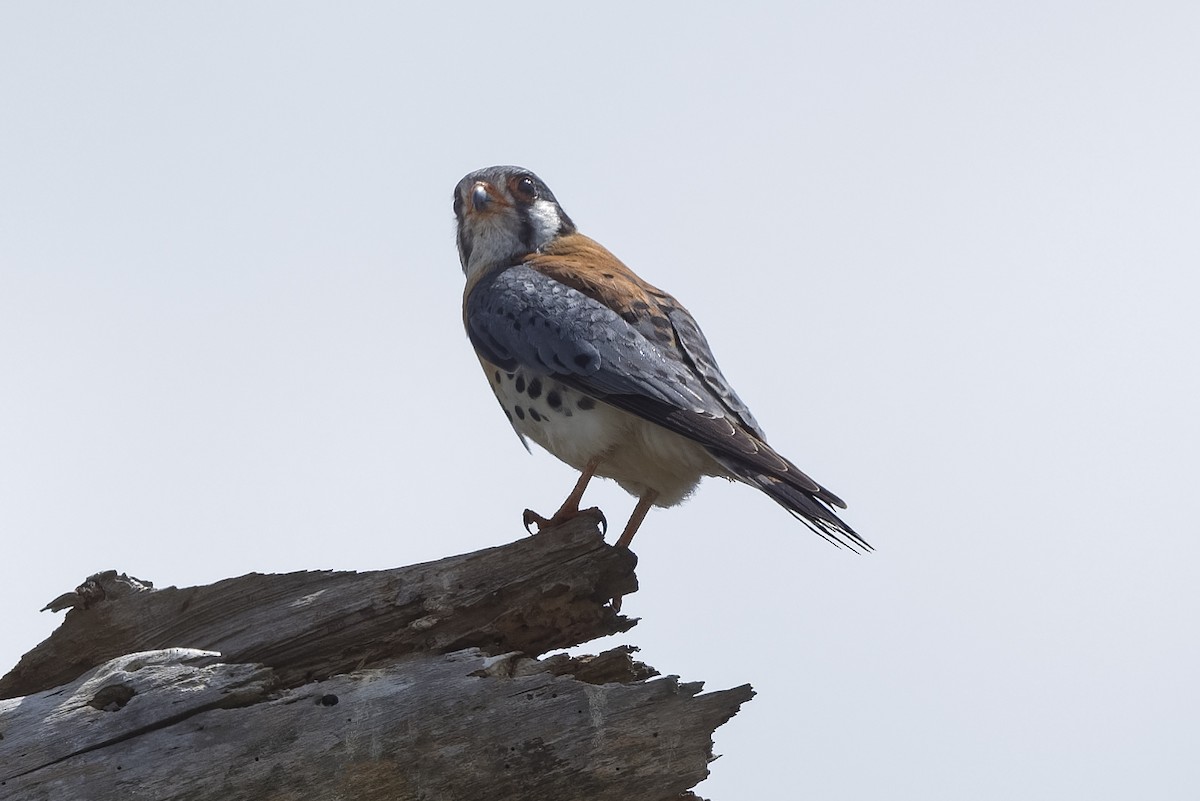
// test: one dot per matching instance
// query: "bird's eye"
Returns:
(526, 188)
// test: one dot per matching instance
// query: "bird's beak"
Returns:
(481, 198)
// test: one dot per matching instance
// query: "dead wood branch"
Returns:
(415, 683)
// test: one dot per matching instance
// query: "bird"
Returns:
(608, 373)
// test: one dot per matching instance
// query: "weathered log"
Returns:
(415, 683)
(533, 595)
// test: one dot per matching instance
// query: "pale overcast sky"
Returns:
(947, 252)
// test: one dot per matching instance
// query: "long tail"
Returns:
(805, 500)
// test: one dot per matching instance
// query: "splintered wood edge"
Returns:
(165, 720)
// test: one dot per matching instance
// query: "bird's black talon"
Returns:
(531, 518)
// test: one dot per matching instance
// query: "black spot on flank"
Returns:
(509, 376)
(534, 416)
(641, 306)
(629, 316)
(535, 388)
(583, 360)
(660, 322)
(554, 399)
(608, 275)
(497, 375)
(661, 373)
(586, 403)
(520, 386)
(519, 412)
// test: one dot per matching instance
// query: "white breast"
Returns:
(637, 454)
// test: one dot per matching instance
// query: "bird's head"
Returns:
(503, 215)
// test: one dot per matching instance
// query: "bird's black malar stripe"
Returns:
(526, 233)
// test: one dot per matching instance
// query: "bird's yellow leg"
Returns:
(635, 520)
(570, 507)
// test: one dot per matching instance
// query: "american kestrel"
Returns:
(603, 370)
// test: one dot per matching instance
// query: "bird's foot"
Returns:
(532, 518)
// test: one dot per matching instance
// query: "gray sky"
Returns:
(947, 252)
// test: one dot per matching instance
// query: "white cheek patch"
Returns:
(546, 221)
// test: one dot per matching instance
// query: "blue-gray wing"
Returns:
(694, 344)
(519, 316)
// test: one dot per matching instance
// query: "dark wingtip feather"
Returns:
(812, 509)
(840, 536)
